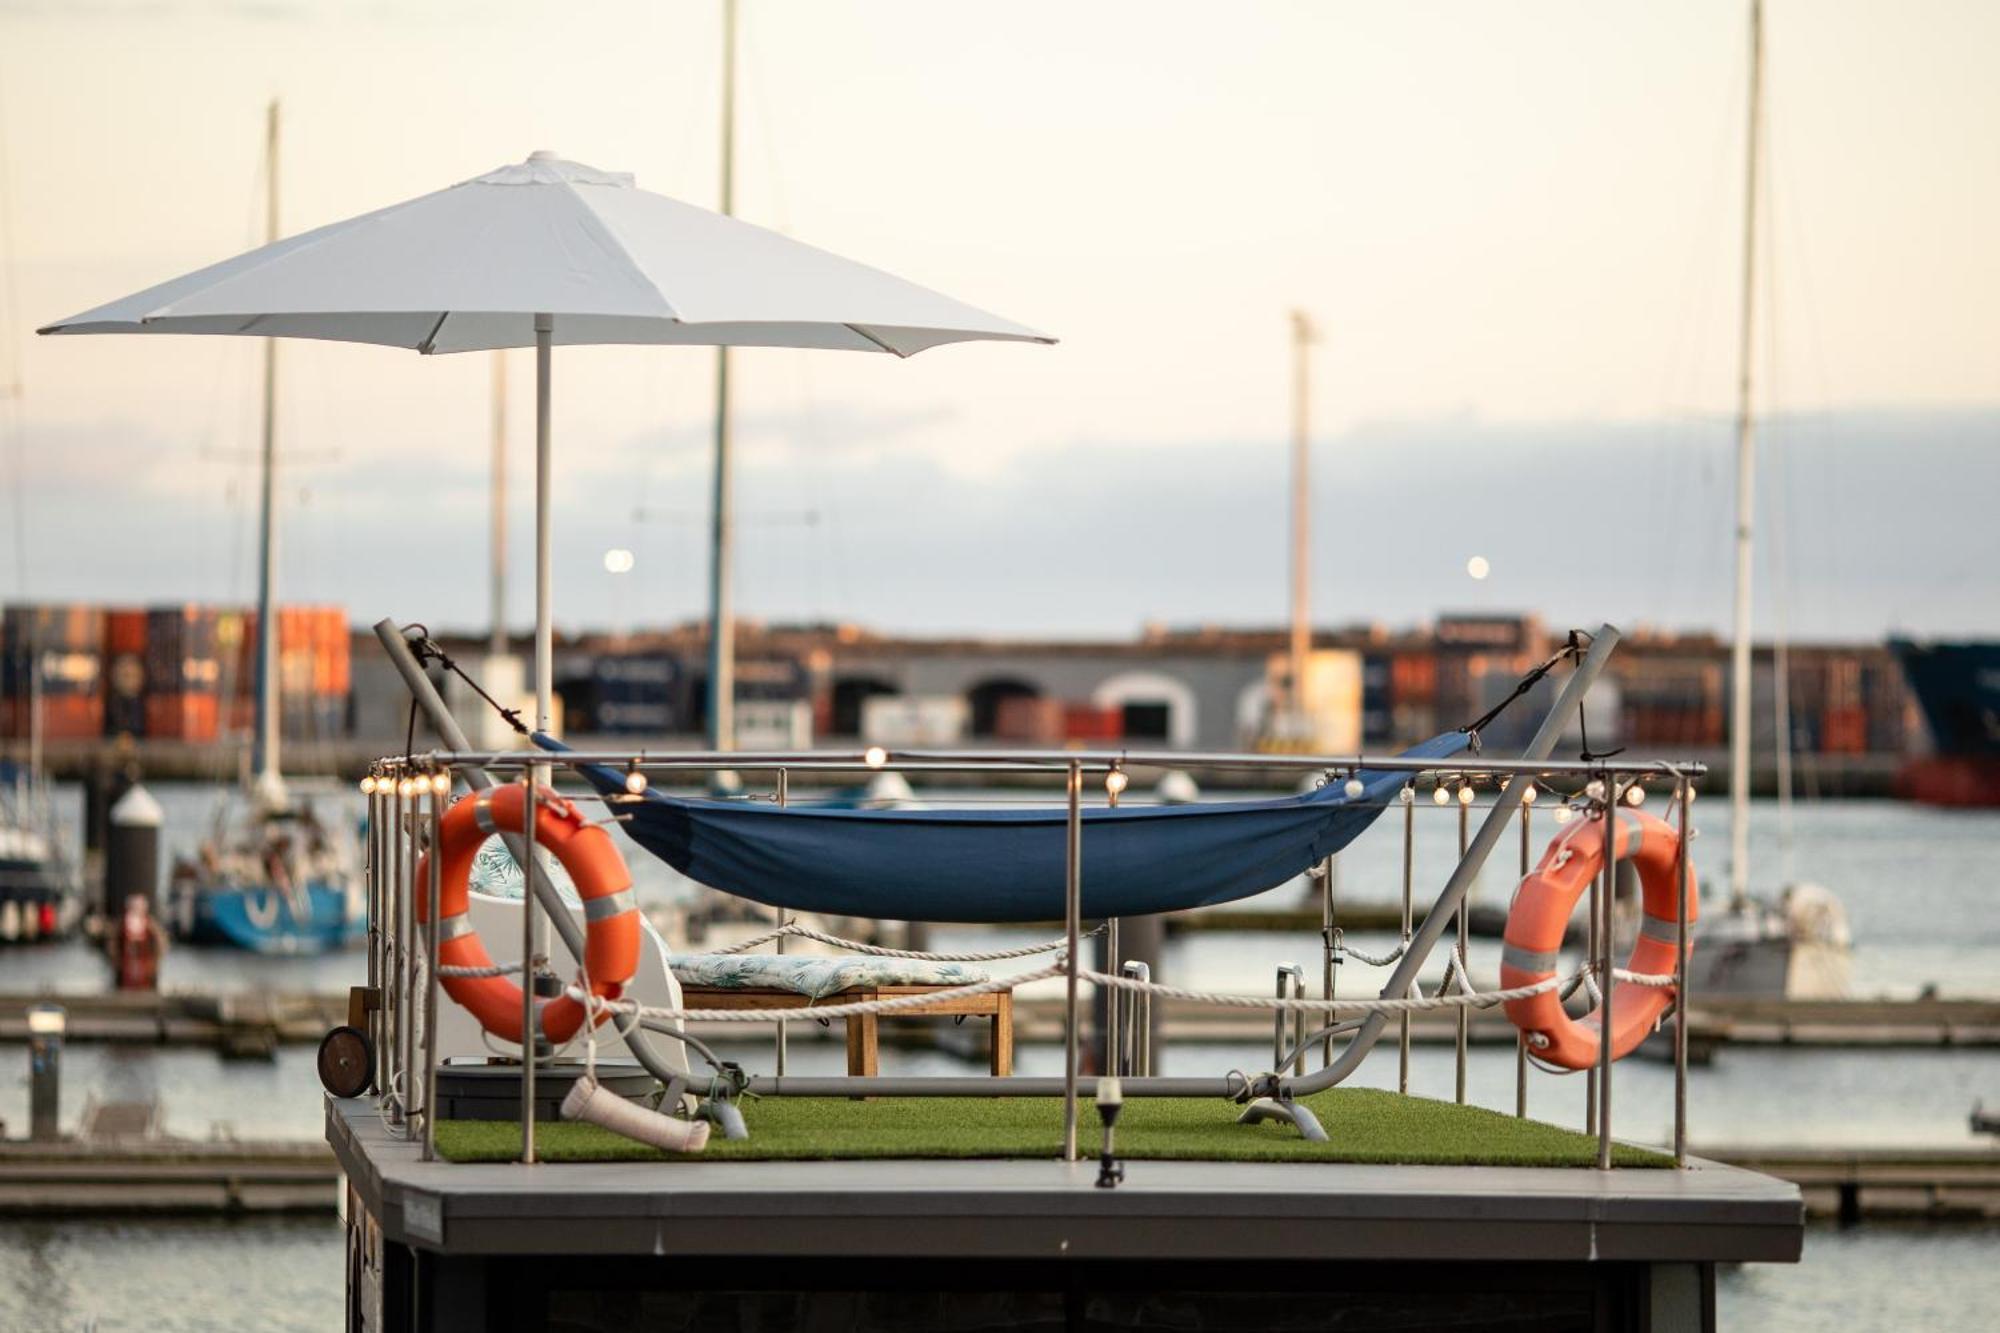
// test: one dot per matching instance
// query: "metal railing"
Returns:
(407, 796)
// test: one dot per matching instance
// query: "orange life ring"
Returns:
(611, 911)
(1540, 915)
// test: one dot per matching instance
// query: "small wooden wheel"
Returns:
(346, 1062)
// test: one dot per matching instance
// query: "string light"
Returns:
(1116, 781)
(1439, 796)
(1528, 796)
(1355, 789)
(1635, 795)
(635, 781)
(441, 783)
(368, 785)
(1563, 814)
(1407, 794)
(406, 788)
(1594, 789)
(1465, 793)
(875, 756)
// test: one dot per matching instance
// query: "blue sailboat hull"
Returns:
(261, 920)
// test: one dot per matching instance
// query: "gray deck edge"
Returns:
(1025, 1209)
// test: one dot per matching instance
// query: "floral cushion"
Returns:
(811, 976)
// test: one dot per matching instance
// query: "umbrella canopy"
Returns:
(468, 268)
(543, 253)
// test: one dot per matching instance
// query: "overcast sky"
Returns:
(1517, 224)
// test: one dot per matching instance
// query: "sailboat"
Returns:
(272, 877)
(40, 891)
(1796, 946)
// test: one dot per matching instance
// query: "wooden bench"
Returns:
(863, 1032)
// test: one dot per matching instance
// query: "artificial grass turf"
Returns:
(1362, 1125)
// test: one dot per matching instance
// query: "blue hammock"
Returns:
(994, 866)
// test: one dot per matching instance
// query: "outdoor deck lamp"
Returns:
(1110, 1101)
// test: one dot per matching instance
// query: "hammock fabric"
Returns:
(993, 866)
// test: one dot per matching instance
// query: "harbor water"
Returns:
(1917, 885)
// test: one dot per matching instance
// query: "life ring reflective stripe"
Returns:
(1541, 913)
(610, 909)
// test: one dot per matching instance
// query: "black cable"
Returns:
(1573, 649)
(427, 650)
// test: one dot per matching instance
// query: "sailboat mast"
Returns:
(264, 753)
(1301, 638)
(721, 615)
(1746, 477)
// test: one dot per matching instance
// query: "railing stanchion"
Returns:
(432, 942)
(1590, 961)
(1607, 983)
(1464, 1014)
(1073, 931)
(372, 876)
(406, 962)
(784, 798)
(1329, 952)
(1520, 1037)
(1683, 796)
(531, 859)
(1409, 865)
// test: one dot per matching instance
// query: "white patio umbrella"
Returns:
(542, 253)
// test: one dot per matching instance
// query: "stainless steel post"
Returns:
(372, 877)
(528, 978)
(1291, 984)
(1139, 1022)
(784, 798)
(1590, 961)
(1464, 934)
(1114, 1004)
(1409, 864)
(1683, 796)
(1613, 796)
(1073, 931)
(406, 930)
(1328, 956)
(432, 890)
(1520, 1037)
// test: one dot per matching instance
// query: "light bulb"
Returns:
(1115, 781)
(441, 783)
(368, 785)
(1440, 796)
(1407, 795)
(1465, 793)
(635, 782)
(875, 756)
(1563, 814)
(1355, 789)
(1528, 796)
(1635, 795)
(406, 787)
(1594, 789)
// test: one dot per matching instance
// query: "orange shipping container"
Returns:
(124, 632)
(1085, 722)
(185, 717)
(1029, 719)
(1843, 731)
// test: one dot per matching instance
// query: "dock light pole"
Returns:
(46, 1025)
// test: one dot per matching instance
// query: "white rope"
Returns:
(855, 1009)
(1466, 998)
(1374, 961)
(793, 928)
(493, 970)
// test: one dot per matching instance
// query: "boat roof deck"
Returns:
(1042, 1209)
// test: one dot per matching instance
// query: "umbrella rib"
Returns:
(858, 330)
(429, 344)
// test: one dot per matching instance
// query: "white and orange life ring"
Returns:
(610, 909)
(1540, 915)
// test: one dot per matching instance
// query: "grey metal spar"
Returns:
(1608, 983)
(1538, 748)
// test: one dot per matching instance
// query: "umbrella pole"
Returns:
(544, 632)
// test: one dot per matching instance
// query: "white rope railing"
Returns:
(794, 930)
(1465, 998)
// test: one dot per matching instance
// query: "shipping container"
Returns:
(1843, 731)
(181, 651)
(182, 717)
(915, 721)
(1030, 720)
(1089, 723)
